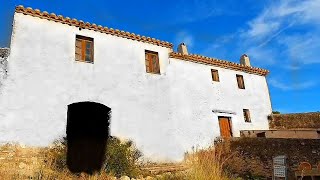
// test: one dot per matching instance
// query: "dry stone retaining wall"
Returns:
(256, 154)
(295, 121)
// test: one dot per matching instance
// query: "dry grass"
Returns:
(208, 164)
(17, 162)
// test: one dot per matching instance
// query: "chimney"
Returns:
(245, 60)
(182, 48)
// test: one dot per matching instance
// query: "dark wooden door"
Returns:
(225, 127)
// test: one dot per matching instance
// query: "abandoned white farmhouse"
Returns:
(165, 101)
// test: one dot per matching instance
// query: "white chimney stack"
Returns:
(182, 48)
(245, 60)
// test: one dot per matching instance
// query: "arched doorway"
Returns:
(87, 134)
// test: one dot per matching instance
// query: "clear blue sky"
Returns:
(281, 36)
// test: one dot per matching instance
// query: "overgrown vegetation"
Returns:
(122, 158)
(275, 112)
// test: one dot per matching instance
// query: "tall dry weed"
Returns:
(208, 164)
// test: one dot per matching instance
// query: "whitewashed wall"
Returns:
(165, 115)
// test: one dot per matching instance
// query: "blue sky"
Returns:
(281, 36)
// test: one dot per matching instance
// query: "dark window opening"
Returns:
(262, 134)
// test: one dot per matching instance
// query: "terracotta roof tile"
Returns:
(87, 25)
(219, 63)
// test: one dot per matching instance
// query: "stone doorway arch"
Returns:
(87, 134)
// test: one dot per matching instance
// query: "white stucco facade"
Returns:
(165, 115)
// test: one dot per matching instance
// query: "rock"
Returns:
(124, 178)
(149, 178)
(167, 173)
(140, 177)
(22, 165)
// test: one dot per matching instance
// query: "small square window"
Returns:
(240, 81)
(84, 49)
(152, 62)
(215, 75)
(246, 115)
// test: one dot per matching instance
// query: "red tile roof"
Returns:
(87, 25)
(219, 63)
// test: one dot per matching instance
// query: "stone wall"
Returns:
(256, 154)
(282, 133)
(295, 121)
(4, 53)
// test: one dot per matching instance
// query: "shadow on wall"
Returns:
(87, 134)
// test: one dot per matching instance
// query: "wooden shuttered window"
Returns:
(246, 115)
(215, 75)
(240, 81)
(152, 62)
(84, 49)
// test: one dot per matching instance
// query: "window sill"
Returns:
(154, 73)
(84, 61)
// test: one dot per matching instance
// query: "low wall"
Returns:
(295, 121)
(296, 134)
(255, 155)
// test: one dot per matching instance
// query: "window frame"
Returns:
(246, 115)
(215, 75)
(84, 40)
(148, 62)
(240, 81)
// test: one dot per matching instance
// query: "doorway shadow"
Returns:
(87, 135)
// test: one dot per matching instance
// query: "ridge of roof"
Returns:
(220, 63)
(87, 25)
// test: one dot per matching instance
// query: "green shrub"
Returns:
(122, 158)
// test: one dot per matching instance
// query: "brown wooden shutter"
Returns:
(84, 49)
(240, 81)
(148, 68)
(215, 75)
(246, 114)
(155, 61)
(78, 50)
(152, 62)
